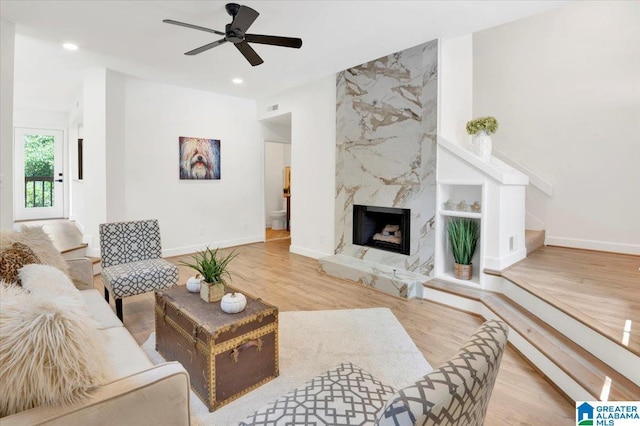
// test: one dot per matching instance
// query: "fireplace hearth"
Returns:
(384, 228)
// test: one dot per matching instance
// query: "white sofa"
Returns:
(138, 393)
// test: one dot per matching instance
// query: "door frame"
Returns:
(20, 213)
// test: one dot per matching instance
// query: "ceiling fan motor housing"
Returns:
(233, 35)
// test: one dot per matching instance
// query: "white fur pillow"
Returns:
(47, 281)
(50, 351)
(39, 242)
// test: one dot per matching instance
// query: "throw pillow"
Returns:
(50, 351)
(38, 240)
(48, 282)
(14, 258)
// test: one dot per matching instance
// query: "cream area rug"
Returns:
(313, 342)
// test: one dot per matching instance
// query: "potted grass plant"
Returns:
(463, 237)
(212, 267)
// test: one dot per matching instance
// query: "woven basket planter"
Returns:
(462, 272)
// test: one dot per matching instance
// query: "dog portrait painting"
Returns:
(199, 158)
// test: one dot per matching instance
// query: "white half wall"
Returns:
(192, 213)
(565, 88)
(313, 141)
(7, 44)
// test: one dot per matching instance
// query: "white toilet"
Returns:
(278, 217)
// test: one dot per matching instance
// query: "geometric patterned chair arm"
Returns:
(456, 393)
(125, 242)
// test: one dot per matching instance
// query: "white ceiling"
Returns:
(129, 36)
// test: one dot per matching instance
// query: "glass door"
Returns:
(39, 187)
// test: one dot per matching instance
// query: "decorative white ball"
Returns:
(232, 303)
(193, 284)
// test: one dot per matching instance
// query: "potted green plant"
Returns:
(213, 270)
(463, 237)
(481, 128)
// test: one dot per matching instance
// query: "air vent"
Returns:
(272, 107)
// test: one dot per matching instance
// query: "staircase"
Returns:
(68, 240)
(579, 360)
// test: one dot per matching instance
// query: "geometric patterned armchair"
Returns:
(131, 260)
(456, 393)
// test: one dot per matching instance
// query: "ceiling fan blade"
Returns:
(249, 53)
(274, 40)
(195, 27)
(244, 18)
(206, 47)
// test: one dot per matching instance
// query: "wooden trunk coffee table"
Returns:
(226, 355)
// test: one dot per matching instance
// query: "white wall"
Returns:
(192, 214)
(313, 145)
(76, 193)
(116, 179)
(95, 149)
(7, 37)
(276, 157)
(455, 101)
(565, 88)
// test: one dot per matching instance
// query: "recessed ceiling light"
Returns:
(70, 46)
(237, 81)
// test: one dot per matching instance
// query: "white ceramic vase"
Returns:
(481, 144)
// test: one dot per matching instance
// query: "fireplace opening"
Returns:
(384, 228)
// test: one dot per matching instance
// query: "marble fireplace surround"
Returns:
(386, 156)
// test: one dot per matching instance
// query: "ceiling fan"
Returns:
(235, 32)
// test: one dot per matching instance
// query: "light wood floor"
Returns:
(601, 289)
(276, 234)
(292, 282)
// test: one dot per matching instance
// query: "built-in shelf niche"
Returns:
(455, 193)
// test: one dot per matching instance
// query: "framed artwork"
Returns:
(199, 158)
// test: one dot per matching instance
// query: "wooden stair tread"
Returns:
(81, 246)
(456, 289)
(579, 364)
(521, 281)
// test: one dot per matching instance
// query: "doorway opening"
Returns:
(39, 163)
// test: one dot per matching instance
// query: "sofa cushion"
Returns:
(38, 240)
(50, 351)
(100, 309)
(13, 258)
(124, 355)
(133, 278)
(345, 395)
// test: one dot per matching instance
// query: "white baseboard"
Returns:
(308, 253)
(593, 245)
(179, 251)
(498, 264)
